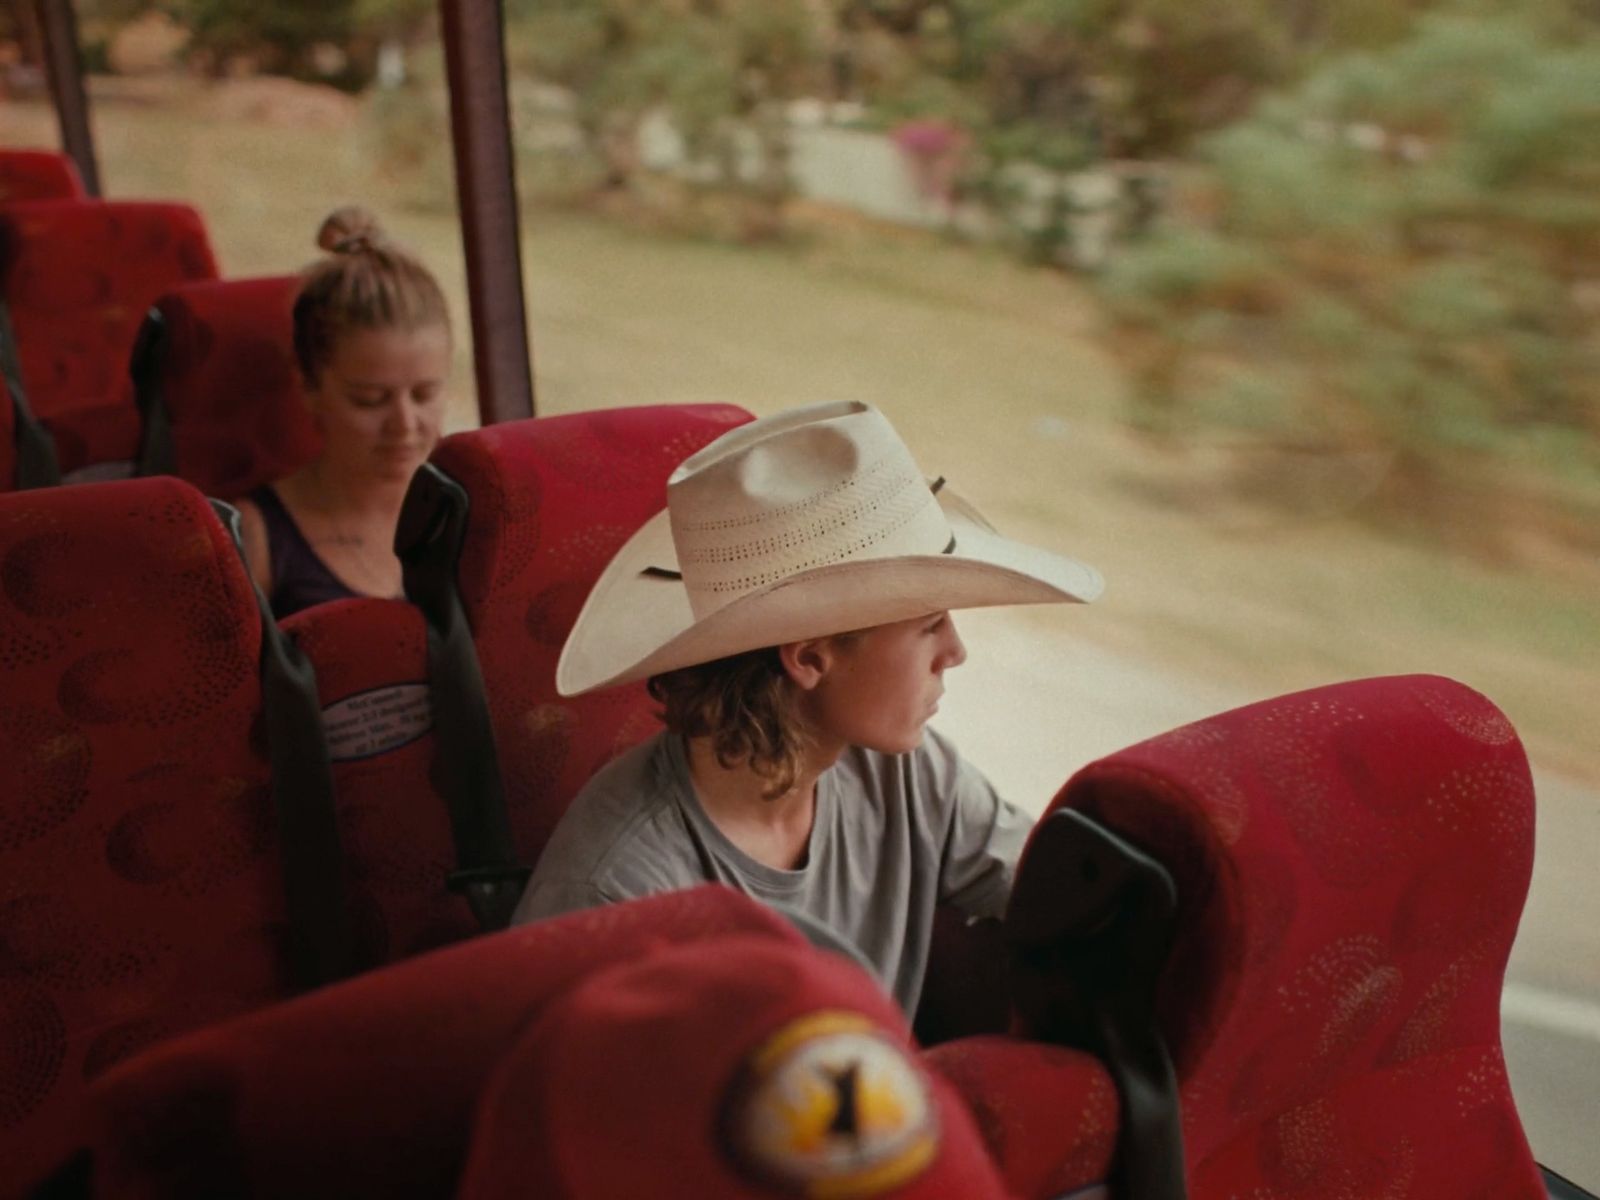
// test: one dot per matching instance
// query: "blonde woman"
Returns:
(792, 612)
(373, 345)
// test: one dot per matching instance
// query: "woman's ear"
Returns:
(315, 401)
(805, 663)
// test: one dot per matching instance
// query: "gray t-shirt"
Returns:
(893, 836)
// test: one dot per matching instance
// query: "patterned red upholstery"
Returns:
(372, 668)
(367, 1088)
(38, 175)
(139, 888)
(550, 1047)
(1351, 864)
(228, 375)
(551, 500)
(1048, 1115)
(79, 276)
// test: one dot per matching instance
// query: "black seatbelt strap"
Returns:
(433, 523)
(321, 941)
(37, 465)
(156, 455)
(1090, 924)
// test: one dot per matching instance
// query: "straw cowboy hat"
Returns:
(809, 523)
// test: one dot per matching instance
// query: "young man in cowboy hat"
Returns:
(791, 611)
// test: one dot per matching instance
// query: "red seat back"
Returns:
(226, 372)
(78, 277)
(371, 662)
(1351, 864)
(38, 175)
(742, 1067)
(142, 893)
(369, 1087)
(551, 500)
(1048, 1114)
(590, 1055)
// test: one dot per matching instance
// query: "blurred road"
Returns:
(1033, 703)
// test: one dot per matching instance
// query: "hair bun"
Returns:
(349, 230)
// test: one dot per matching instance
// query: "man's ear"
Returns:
(805, 663)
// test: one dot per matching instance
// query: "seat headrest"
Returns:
(734, 1067)
(227, 375)
(38, 175)
(78, 277)
(1351, 864)
(112, 246)
(550, 500)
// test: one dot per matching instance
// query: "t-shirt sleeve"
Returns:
(634, 870)
(609, 845)
(985, 840)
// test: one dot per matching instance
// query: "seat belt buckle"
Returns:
(491, 892)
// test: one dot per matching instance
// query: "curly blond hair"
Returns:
(747, 707)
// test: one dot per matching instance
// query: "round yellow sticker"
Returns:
(830, 1108)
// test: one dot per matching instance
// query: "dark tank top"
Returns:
(299, 577)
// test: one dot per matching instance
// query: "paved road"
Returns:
(1032, 704)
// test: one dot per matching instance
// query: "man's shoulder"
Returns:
(619, 821)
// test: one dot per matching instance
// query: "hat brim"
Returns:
(638, 623)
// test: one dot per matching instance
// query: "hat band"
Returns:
(668, 573)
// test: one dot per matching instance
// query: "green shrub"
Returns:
(1397, 258)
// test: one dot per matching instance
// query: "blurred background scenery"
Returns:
(1286, 314)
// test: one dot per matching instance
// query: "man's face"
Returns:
(883, 684)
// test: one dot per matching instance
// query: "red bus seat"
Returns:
(370, 658)
(154, 752)
(217, 370)
(1048, 1114)
(369, 1087)
(550, 500)
(76, 278)
(560, 1058)
(703, 1053)
(38, 175)
(1350, 865)
(145, 889)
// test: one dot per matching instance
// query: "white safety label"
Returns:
(377, 721)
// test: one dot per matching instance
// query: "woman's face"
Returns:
(882, 685)
(380, 401)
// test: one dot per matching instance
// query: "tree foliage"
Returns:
(1405, 254)
(723, 71)
(280, 37)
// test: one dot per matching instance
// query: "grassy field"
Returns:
(999, 376)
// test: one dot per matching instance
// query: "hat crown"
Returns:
(814, 487)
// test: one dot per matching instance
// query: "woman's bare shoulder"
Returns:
(253, 541)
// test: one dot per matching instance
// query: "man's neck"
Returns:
(776, 831)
